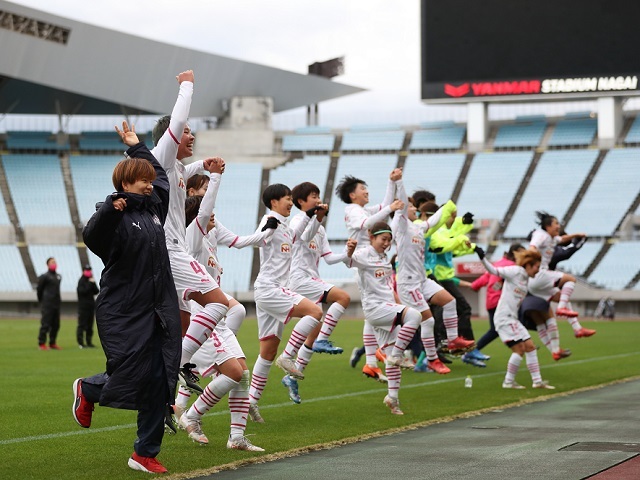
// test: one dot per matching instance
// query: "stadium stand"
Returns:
(376, 127)
(312, 129)
(14, 277)
(69, 266)
(373, 169)
(577, 132)
(34, 141)
(437, 124)
(372, 140)
(618, 267)
(520, 135)
(492, 182)
(581, 260)
(308, 143)
(91, 181)
(30, 174)
(600, 211)
(4, 216)
(552, 187)
(449, 137)
(96, 265)
(338, 273)
(311, 168)
(436, 172)
(100, 141)
(633, 136)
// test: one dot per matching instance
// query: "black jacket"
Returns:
(49, 290)
(137, 293)
(87, 290)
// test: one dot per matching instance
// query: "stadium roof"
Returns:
(55, 65)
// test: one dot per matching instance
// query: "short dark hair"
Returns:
(379, 226)
(302, 192)
(421, 196)
(513, 248)
(49, 259)
(429, 207)
(197, 181)
(347, 186)
(544, 219)
(159, 128)
(274, 192)
(191, 208)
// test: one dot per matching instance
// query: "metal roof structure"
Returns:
(55, 65)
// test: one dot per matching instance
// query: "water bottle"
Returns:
(468, 382)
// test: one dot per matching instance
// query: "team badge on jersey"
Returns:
(211, 262)
(380, 272)
(181, 184)
(417, 240)
(156, 220)
(285, 248)
(313, 245)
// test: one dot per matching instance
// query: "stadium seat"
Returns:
(14, 277)
(69, 266)
(91, 176)
(573, 132)
(450, 137)
(618, 267)
(436, 172)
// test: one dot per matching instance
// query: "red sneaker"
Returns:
(565, 312)
(561, 354)
(584, 332)
(82, 409)
(146, 464)
(55, 346)
(460, 344)
(43, 347)
(380, 355)
(438, 367)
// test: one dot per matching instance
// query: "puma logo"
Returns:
(136, 225)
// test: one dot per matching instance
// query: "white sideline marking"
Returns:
(311, 400)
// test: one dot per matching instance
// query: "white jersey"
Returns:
(360, 219)
(514, 289)
(546, 245)
(275, 253)
(165, 152)
(313, 246)
(375, 277)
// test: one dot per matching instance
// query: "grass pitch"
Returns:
(39, 438)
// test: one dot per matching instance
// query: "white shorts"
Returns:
(418, 294)
(511, 330)
(383, 316)
(385, 339)
(543, 285)
(189, 276)
(311, 288)
(273, 309)
(220, 347)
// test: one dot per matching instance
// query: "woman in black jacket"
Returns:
(137, 309)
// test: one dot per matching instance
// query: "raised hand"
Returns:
(272, 223)
(351, 246)
(128, 135)
(214, 165)
(186, 76)
(322, 211)
(397, 205)
(396, 174)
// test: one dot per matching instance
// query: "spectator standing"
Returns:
(49, 298)
(87, 291)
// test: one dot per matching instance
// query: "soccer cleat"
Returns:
(55, 346)
(438, 367)
(82, 409)
(584, 332)
(444, 359)
(543, 384)
(561, 354)
(242, 443)
(289, 366)
(375, 373)
(188, 379)
(393, 404)
(292, 385)
(513, 385)
(421, 367)
(326, 346)
(401, 362)
(380, 355)
(194, 429)
(170, 423)
(473, 361)
(43, 347)
(146, 464)
(565, 312)
(254, 413)
(356, 355)
(478, 355)
(460, 345)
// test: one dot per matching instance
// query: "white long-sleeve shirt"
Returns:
(375, 277)
(360, 219)
(313, 246)
(514, 289)
(546, 245)
(165, 152)
(276, 252)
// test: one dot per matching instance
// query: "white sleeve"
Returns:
(328, 256)
(358, 259)
(490, 268)
(167, 148)
(193, 237)
(230, 239)
(208, 202)
(194, 168)
(311, 230)
(537, 239)
(299, 228)
(390, 193)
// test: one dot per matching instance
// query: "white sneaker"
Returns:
(254, 413)
(514, 385)
(242, 443)
(194, 429)
(543, 384)
(393, 404)
(289, 366)
(401, 362)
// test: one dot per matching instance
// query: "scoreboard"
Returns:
(508, 50)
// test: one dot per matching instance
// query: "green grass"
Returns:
(39, 438)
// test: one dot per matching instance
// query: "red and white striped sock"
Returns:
(259, 379)
(565, 293)
(407, 331)
(182, 398)
(428, 340)
(304, 356)
(239, 405)
(200, 327)
(554, 335)
(394, 375)
(213, 393)
(512, 367)
(299, 334)
(543, 333)
(370, 344)
(330, 320)
(450, 319)
(235, 317)
(533, 365)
